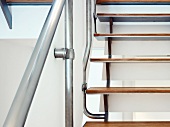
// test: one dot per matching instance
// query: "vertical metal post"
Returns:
(69, 64)
(21, 104)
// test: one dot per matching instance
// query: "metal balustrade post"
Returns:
(69, 64)
(18, 112)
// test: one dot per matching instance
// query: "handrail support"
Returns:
(6, 12)
(64, 53)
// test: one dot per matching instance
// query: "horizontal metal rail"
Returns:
(21, 104)
(89, 114)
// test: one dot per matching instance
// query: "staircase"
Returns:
(109, 37)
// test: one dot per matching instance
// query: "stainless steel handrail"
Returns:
(86, 59)
(21, 104)
(88, 38)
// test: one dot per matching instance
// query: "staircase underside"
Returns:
(128, 124)
(127, 60)
(133, 36)
(105, 17)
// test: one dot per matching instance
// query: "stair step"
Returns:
(128, 60)
(133, 2)
(105, 17)
(128, 124)
(131, 37)
(105, 90)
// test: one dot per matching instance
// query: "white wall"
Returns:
(14, 55)
(27, 22)
(16, 47)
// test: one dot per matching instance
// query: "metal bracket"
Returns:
(84, 87)
(95, 17)
(6, 12)
(64, 53)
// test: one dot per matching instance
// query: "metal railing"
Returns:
(86, 59)
(18, 112)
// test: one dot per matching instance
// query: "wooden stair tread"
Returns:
(105, 90)
(126, 60)
(105, 17)
(133, 36)
(128, 124)
(143, 2)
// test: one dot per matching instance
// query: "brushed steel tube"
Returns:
(86, 59)
(89, 114)
(69, 64)
(60, 53)
(88, 37)
(21, 104)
